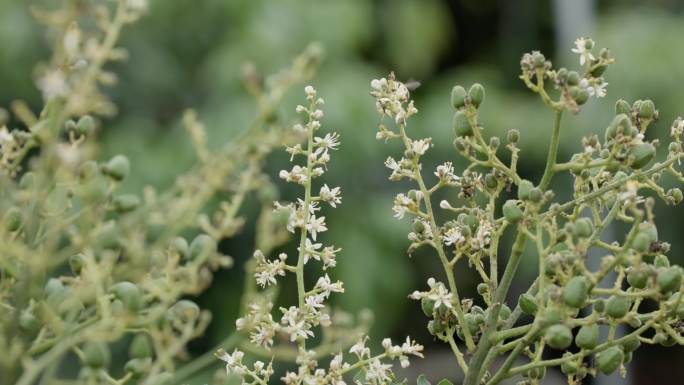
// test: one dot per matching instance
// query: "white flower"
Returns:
(53, 83)
(583, 48)
(377, 372)
(421, 146)
(440, 295)
(326, 286)
(597, 89)
(332, 196)
(310, 91)
(453, 236)
(329, 141)
(310, 250)
(316, 225)
(233, 361)
(401, 203)
(360, 349)
(445, 173)
(297, 175)
(137, 5)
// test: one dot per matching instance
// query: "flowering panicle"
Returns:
(608, 176)
(297, 322)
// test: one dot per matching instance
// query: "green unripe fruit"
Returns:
(536, 195)
(473, 323)
(641, 242)
(627, 358)
(617, 307)
(185, 310)
(476, 94)
(85, 125)
(524, 189)
(12, 219)
(622, 107)
(458, 96)
(513, 136)
(661, 260)
(573, 78)
(576, 292)
(620, 123)
(428, 306)
(490, 181)
(53, 286)
(642, 154)
(646, 109)
(558, 336)
(569, 367)
(140, 347)
(125, 203)
(129, 294)
(676, 194)
(528, 304)
(600, 305)
(138, 366)
(202, 246)
(552, 315)
(631, 344)
(535, 373)
(461, 125)
(583, 228)
(511, 211)
(482, 289)
(76, 263)
(669, 279)
(435, 327)
(609, 360)
(505, 312)
(638, 277)
(117, 168)
(418, 226)
(580, 95)
(587, 336)
(96, 355)
(181, 246)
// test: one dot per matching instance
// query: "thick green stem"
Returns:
(553, 152)
(476, 363)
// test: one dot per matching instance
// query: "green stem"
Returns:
(553, 152)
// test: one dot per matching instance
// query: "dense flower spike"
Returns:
(609, 178)
(297, 323)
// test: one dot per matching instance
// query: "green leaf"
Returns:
(421, 380)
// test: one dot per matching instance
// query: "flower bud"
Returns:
(181, 246)
(646, 109)
(461, 125)
(125, 203)
(642, 155)
(117, 168)
(96, 355)
(661, 261)
(617, 306)
(138, 366)
(513, 136)
(524, 189)
(494, 142)
(676, 195)
(29, 323)
(587, 336)
(569, 367)
(140, 347)
(576, 291)
(583, 228)
(609, 360)
(536, 195)
(202, 246)
(85, 125)
(579, 95)
(490, 181)
(558, 336)
(631, 344)
(129, 294)
(458, 96)
(527, 303)
(12, 219)
(573, 78)
(185, 310)
(669, 279)
(511, 211)
(620, 123)
(476, 94)
(76, 263)
(622, 107)
(638, 277)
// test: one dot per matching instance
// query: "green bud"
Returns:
(202, 246)
(181, 246)
(580, 95)
(641, 242)
(669, 279)
(96, 355)
(185, 310)
(494, 142)
(125, 203)
(513, 136)
(536, 195)
(631, 344)
(661, 260)
(461, 125)
(29, 323)
(490, 181)
(140, 347)
(587, 336)
(609, 360)
(642, 154)
(511, 211)
(600, 305)
(482, 288)
(620, 123)
(458, 96)
(569, 367)
(476, 94)
(558, 336)
(573, 78)
(505, 312)
(53, 286)
(129, 294)
(646, 109)
(12, 219)
(535, 373)
(528, 304)
(622, 107)
(76, 263)
(676, 195)
(583, 228)
(617, 306)
(638, 277)
(598, 70)
(576, 292)
(85, 125)
(117, 168)
(524, 189)
(138, 366)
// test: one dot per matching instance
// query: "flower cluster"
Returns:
(297, 323)
(609, 177)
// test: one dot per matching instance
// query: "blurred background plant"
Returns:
(183, 55)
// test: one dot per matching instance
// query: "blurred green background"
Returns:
(188, 54)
